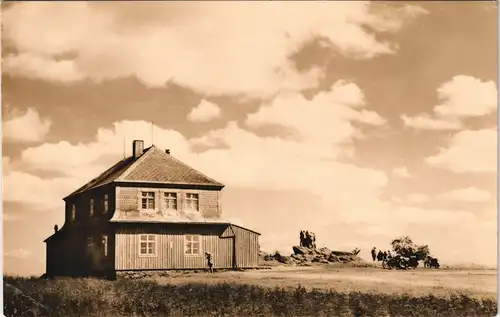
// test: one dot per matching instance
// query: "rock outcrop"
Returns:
(276, 257)
(306, 256)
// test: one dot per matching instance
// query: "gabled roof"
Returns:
(153, 166)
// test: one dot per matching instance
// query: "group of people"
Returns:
(307, 239)
(381, 255)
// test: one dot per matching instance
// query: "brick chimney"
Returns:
(137, 148)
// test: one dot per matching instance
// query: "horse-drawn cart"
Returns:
(400, 262)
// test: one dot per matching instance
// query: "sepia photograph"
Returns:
(249, 158)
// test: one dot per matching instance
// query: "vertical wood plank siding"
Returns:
(170, 247)
(247, 247)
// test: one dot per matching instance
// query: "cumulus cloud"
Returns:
(469, 194)
(468, 151)
(205, 111)
(338, 108)
(41, 67)
(461, 97)
(25, 127)
(84, 161)
(466, 96)
(190, 43)
(36, 192)
(402, 172)
(425, 122)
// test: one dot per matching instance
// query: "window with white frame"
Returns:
(105, 245)
(192, 201)
(91, 210)
(147, 245)
(105, 209)
(192, 244)
(170, 200)
(73, 212)
(148, 200)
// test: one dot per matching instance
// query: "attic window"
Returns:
(192, 201)
(170, 200)
(148, 200)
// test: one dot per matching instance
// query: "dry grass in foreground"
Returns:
(92, 297)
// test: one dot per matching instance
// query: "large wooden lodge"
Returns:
(147, 212)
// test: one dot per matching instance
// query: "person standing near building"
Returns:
(210, 264)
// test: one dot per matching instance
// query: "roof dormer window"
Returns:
(148, 200)
(170, 200)
(192, 202)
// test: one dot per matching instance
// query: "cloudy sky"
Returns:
(358, 121)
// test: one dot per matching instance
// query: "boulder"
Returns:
(269, 257)
(333, 258)
(316, 252)
(341, 253)
(325, 251)
(278, 257)
(296, 257)
(316, 259)
(300, 250)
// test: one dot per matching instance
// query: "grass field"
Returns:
(481, 283)
(323, 291)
